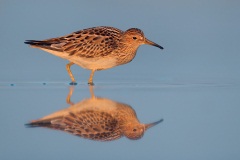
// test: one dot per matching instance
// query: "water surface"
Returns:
(200, 121)
(193, 84)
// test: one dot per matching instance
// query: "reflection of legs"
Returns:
(91, 90)
(70, 73)
(90, 80)
(68, 99)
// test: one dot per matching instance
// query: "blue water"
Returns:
(193, 84)
(200, 121)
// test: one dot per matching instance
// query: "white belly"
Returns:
(99, 63)
(95, 63)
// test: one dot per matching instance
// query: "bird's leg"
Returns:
(70, 73)
(91, 90)
(68, 99)
(90, 80)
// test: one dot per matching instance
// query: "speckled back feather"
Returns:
(89, 43)
(93, 125)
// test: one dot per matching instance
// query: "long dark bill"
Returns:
(147, 126)
(147, 41)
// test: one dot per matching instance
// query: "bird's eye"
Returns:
(134, 130)
(134, 38)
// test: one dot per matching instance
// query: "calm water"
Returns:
(193, 84)
(201, 121)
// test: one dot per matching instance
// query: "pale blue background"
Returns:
(194, 83)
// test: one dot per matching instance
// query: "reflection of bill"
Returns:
(96, 118)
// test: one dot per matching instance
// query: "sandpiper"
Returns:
(96, 48)
(95, 118)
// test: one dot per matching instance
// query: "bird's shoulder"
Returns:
(95, 125)
(88, 43)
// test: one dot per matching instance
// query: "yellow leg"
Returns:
(70, 73)
(68, 99)
(91, 90)
(90, 80)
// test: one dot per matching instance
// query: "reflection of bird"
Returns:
(95, 48)
(97, 119)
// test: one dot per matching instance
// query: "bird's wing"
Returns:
(89, 43)
(90, 124)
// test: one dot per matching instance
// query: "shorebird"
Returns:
(95, 118)
(96, 48)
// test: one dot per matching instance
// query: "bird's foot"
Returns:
(90, 83)
(73, 83)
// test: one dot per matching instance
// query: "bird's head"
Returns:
(136, 131)
(135, 37)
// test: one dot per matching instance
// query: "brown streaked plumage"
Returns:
(99, 119)
(96, 48)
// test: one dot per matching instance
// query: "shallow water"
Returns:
(193, 84)
(201, 121)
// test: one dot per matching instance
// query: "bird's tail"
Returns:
(37, 43)
(38, 124)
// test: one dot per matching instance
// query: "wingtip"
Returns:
(37, 124)
(30, 42)
(30, 125)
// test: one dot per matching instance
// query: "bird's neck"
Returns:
(127, 54)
